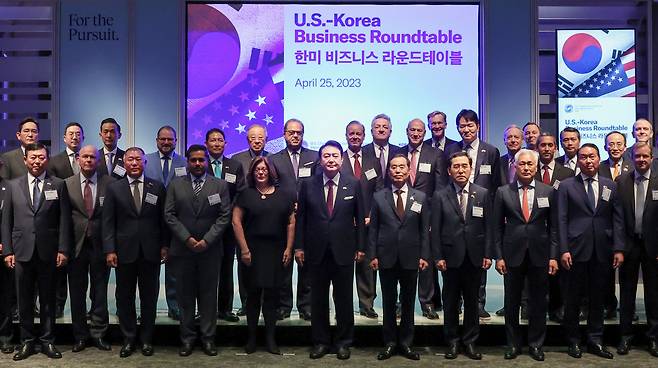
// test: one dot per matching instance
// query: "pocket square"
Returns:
(348, 198)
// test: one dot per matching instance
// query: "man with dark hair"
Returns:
(436, 122)
(329, 238)
(36, 237)
(230, 171)
(531, 131)
(111, 156)
(197, 211)
(570, 141)
(14, 160)
(135, 242)
(591, 242)
(294, 163)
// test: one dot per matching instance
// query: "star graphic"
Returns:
(253, 81)
(207, 120)
(197, 134)
(251, 115)
(268, 119)
(260, 100)
(217, 105)
(224, 124)
(240, 128)
(233, 110)
(243, 96)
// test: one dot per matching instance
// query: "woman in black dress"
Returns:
(264, 226)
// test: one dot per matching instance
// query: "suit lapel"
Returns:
(75, 194)
(128, 194)
(341, 188)
(410, 199)
(46, 186)
(319, 184)
(388, 196)
(26, 191)
(516, 202)
(580, 188)
(452, 198)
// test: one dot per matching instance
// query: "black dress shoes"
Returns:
(369, 313)
(281, 315)
(512, 352)
(24, 352)
(241, 312)
(575, 351)
(209, 348)
(386, 353)
(536, 353)
(653, 348)
(599, 350)
(147, 350)
(101, 344)
(228, 316)
(185, 349)
(483, 314)
(469, 351)
(251, 345)
(271, 345)
(343, 353)
(127, 350)
(453, 350)
(624, 346)
(501, 312)
(50, 351)
(174, 314)
(59, 311)
(79, 346)
(6, 347)
(406, 352)
(429, 312)
(305, 315)
(318, 351)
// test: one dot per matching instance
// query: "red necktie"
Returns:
(414, 165)
(526, 210)
(330, 197)
(546, 178)
(357, 166)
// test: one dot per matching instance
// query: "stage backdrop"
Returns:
(327, 65)
(596, 82)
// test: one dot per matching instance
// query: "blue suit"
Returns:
(153, 167)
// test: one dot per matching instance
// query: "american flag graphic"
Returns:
(617, 79)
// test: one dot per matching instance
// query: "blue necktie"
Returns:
(36, 193)
(165, 169)
(590, 193)
(218, 168)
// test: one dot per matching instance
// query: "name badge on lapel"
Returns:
(213, 199)
(119, 170)
(304, 172)
(51, 195)
(478, 211)
(654, 195)
(605, 194)
(416, 207)
(101, 200)
(180, 171)
(348, 198)
(371, 174)
(230, 178)
(485, 169)
(542, 202)
(424, 167)
(556, 185)
(151, 198)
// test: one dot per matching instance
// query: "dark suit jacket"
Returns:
(437, 177)
(125, 231)
(452, 235)
(581, 228)
(447, 143)
(47, 227)
(60, 166)
(236, 178)
(604, 168)
(626, 188)
(560, 173)
(369, 151)
(391, 238)
(81, 220)
(244, 158)
(513, 236)
(368, 187)
(13, 164)
(117, 160)
(281, 161)
(487, 155)
(342, 233)
(198, 218)
(504, 168)
(629, 153)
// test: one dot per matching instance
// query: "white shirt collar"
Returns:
(551, 165)
(584, 177)
(114, 151)
(131, 180)
(94, 178)
(351, 154)
(70, 152)
(530, 186)
(404, 189)
(31, 178)
(325, 179)
(646, 174)
(457, 189)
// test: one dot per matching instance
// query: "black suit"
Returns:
(203, 217)
(370, 180)
(504, 168)
(641, 249)
(13, 164)
(88, 261)
(330, 242)
(137, 238)
(289, 182)
(591, 236)
(245, 158)
(448, 142)
(117, 159)
(35, 236)
(6, 283)
(463, 243)
(369, 151)
(526, 247)
(604, 168)
(234, 175)
(398, 244)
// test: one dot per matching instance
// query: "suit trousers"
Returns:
(88, 266)
(628, 278)
(390, 277)
(589, 278)
(130, 276)
(226, 286)
(515, 281)
(6, 285)
(324, 274)
(366, 285)
(428, 287)
(42, 274)
(62, 287)
(196, 283)
(170, 288)
(461, 281)
(303, 290)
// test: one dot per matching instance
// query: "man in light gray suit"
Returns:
(87, 193)
(164, 165)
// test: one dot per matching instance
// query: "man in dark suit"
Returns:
(135, 242)
(256, 138)
(64, 165)
(485, 171)
(380, 148)
(231, 172)
(552, 173)
(197, 212)
(6, 285)
(513, 138)
(14, 160)
(427, 173)
(591, 241)
(329, 237)
(531, 131)
(294, 163)
(436, 122)
(642, 132)
(110, 156)
(525, 239)
(399, 246)
(461, 248)
(570, 141)
(87, 194)
(36, 238)
(639, 198)
(366, 170)
(164, 165)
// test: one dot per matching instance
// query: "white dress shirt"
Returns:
(595, 186)
(404, 194)
(30, 184)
